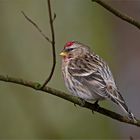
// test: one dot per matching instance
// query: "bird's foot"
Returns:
(96, 106)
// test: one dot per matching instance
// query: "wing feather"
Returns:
(94, 74)
(89, 75)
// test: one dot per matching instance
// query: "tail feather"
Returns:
(118, 99)
(129, 114)
(132, 117)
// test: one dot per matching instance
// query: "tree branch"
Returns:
(118, 13)
(70, 98)
(36, 26)
(51, 41)
(52, 18)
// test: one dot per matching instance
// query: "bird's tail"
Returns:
(129, 114)
(118, 99)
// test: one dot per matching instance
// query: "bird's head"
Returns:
(74, 49)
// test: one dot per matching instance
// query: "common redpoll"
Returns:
(87, 76)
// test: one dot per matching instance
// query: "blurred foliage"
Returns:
(24, 53)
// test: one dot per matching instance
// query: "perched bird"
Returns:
(88, 76)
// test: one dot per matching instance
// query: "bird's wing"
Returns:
(95, 75)
(88, 74)
(94, 82)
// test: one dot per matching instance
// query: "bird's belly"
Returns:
(77, 89)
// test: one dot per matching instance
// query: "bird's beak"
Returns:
(63, 53)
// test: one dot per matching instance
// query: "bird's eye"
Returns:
(69, 49)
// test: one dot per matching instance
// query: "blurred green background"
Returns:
(26, 113)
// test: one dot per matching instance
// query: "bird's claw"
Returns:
(96, 106)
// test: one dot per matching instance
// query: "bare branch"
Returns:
(52, 43)
(36, 26)
(70, 98)
(118, 13)
(54, 17)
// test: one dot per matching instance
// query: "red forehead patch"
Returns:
(68, 44)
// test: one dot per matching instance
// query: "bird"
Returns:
(88, 76)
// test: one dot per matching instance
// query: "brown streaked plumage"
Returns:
(87, 76)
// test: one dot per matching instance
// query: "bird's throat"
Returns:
(67, 58)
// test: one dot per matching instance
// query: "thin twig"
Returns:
(53, 44)
(118, 13)
(52, 18)
(36, 26)
(70, 98)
